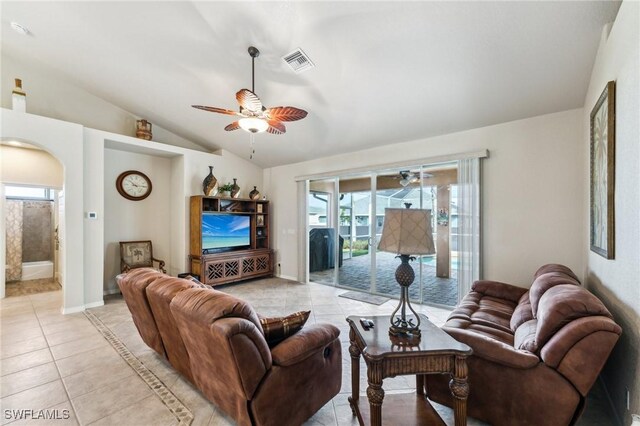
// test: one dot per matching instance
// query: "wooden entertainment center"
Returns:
(222, 267)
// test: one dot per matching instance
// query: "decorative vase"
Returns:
(255, 194)
(235, 190)
(210, 184)
(18, 97)
(143, 130)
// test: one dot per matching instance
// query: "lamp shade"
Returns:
(407, 231)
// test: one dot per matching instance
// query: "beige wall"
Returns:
(617, 281)
(127, 220)
(51, 95)
(532, 192)
(30, 167)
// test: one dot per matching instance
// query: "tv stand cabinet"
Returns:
(230, 266)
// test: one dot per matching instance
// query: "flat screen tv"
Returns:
(222, 232)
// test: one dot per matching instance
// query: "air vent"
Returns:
(298, 61)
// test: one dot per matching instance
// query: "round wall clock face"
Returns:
(133, 185)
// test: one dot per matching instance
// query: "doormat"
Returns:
(365, 297)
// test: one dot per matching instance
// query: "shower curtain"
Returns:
(14, 240)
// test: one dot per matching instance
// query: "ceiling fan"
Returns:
(406, 177)
(255, 117)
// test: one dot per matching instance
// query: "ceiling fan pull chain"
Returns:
(252, 149)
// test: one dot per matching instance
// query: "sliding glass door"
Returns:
(346, 219)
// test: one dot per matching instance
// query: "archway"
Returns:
(34, 179)
(64, 141)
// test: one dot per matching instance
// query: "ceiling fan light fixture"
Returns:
(253, 124)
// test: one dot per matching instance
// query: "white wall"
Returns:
(51, 95)
(532, 194)
(126, 220)
(29, 167)
(617, 281)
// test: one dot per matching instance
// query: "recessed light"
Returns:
(20, 29)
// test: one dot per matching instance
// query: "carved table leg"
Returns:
(460, 391)
(355, 371)
(375, 394)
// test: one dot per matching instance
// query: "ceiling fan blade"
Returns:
(249, 100)
(233, 126)
(286, 113)
(218, 110)
(276, 127)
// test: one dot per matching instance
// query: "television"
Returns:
(224, 232)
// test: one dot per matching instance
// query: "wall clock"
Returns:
(133, 185)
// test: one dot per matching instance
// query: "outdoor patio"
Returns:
(355, 274)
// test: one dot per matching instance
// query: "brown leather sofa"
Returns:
(536, 352)
(216, 341)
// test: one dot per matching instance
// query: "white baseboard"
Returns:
(287, 277)
(73, 310)
(94, 304)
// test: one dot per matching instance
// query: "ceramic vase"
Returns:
(235, 190)
(255, 194)
(210, 184)
(143, 130)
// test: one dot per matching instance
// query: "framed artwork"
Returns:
(259, 208)
(602, 173)
(260, 220)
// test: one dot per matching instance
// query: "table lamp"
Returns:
(406, 232)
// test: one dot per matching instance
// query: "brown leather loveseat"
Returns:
(536, 352)
(216, 341)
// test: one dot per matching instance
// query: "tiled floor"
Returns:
(61, 363)
(24, 288)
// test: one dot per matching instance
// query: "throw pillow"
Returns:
(279, 328)
(196, 281)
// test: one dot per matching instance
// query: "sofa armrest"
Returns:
(493, 350)
(303, 344)
(499, 290)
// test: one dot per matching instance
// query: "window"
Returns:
(28, 193)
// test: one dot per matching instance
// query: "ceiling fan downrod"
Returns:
(254, 53)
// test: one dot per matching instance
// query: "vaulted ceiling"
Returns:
(386, 72)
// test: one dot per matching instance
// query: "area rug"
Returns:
(25, 288)
(177, 408)
(365, 297)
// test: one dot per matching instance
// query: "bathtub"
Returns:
(37, 270)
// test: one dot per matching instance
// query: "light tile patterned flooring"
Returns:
(61, 362)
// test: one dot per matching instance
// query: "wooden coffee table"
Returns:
(436, 352)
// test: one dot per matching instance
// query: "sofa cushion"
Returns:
(522, 313)
(279, 328)
(555, 267)
(525, 337)
(562, 304)
(546, 281)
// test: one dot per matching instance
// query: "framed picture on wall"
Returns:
(602, 173)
